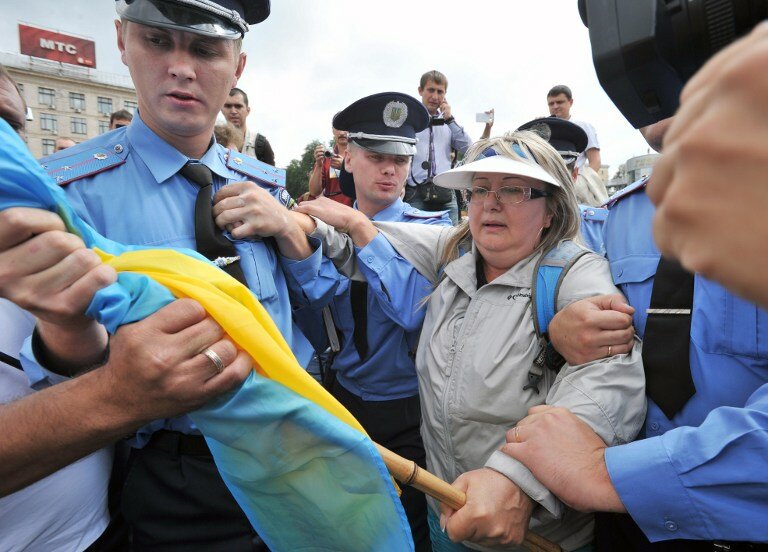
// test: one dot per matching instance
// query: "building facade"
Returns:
(66, 100)
(633, 170)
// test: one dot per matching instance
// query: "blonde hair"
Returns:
(530, 148)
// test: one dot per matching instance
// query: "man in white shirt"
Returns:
(560, 101)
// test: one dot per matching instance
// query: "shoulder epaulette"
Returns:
(627, 190)
(413, 212)
(596, 214)
(253, 168)
(68, 168)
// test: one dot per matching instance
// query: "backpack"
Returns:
(549, 274)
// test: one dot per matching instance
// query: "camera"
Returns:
(645, 51)
(436, 120)
(328, 154)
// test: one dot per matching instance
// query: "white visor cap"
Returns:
(460, 178)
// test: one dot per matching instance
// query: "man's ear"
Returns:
(241, 59)
(348, 160)
(120, 40)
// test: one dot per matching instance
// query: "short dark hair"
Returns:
(4, 74)
(560, 89)
(435, 76)
(121, 114)
(239, 91)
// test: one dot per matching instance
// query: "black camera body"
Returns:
(436, 120)
(328, 154)
(645, 51)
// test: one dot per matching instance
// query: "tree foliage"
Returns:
(297, 171)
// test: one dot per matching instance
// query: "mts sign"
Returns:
(55, 46)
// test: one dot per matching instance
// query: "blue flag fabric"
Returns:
(299, 465)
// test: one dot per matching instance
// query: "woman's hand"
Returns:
(344, 219)
(496, 513)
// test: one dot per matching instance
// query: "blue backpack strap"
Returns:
(550, 271)
(548, 276)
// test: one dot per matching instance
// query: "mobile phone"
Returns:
(483, 117)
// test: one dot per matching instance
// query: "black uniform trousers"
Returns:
(395, 425)
(174, 500)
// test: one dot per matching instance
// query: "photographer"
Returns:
(324, 178)
(433, 149)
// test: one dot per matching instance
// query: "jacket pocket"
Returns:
(726, 324)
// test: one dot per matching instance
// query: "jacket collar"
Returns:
(463, 273)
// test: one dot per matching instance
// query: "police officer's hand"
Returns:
(445, 109)
(246, 210)
(46, 270)
(157, 369)
(344, 219)
(496, 513)
(710, 184)
(566, 456)
(593, 328)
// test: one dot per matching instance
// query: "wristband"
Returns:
(450, 120)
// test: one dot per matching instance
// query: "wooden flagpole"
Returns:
(409, 473)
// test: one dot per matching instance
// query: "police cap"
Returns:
(385, 123)
(227, 19)
(568, 138)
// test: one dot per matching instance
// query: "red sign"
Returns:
(56, 46)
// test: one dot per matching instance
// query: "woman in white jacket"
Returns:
(478, 343)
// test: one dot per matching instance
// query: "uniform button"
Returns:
(670, 526)
(118, 148)
(369, 259)
(654, 426)
(621, 271)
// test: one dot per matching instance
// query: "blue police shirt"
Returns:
(591, 227)
(395, 315)
(704, 474)
(139, 198)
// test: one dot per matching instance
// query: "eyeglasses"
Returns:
(509, 195)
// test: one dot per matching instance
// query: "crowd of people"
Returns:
(540, 353)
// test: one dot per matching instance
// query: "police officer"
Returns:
(153, 183)
(570, 140)
(379, 320)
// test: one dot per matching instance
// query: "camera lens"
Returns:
(328, 153)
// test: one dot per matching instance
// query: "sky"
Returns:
(312, 59)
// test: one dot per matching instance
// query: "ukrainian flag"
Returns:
(300, 466)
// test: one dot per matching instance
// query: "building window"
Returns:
(105, 105)
(46, 96)
(49, 145)
(78, 126)
(103, 126)
(49, 122)
(77, 101)
(131, 106)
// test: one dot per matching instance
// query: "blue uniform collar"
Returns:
(392, 212)
(162, 159)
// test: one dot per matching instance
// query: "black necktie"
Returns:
(666, 355)
(359, 298)
(209, 239)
